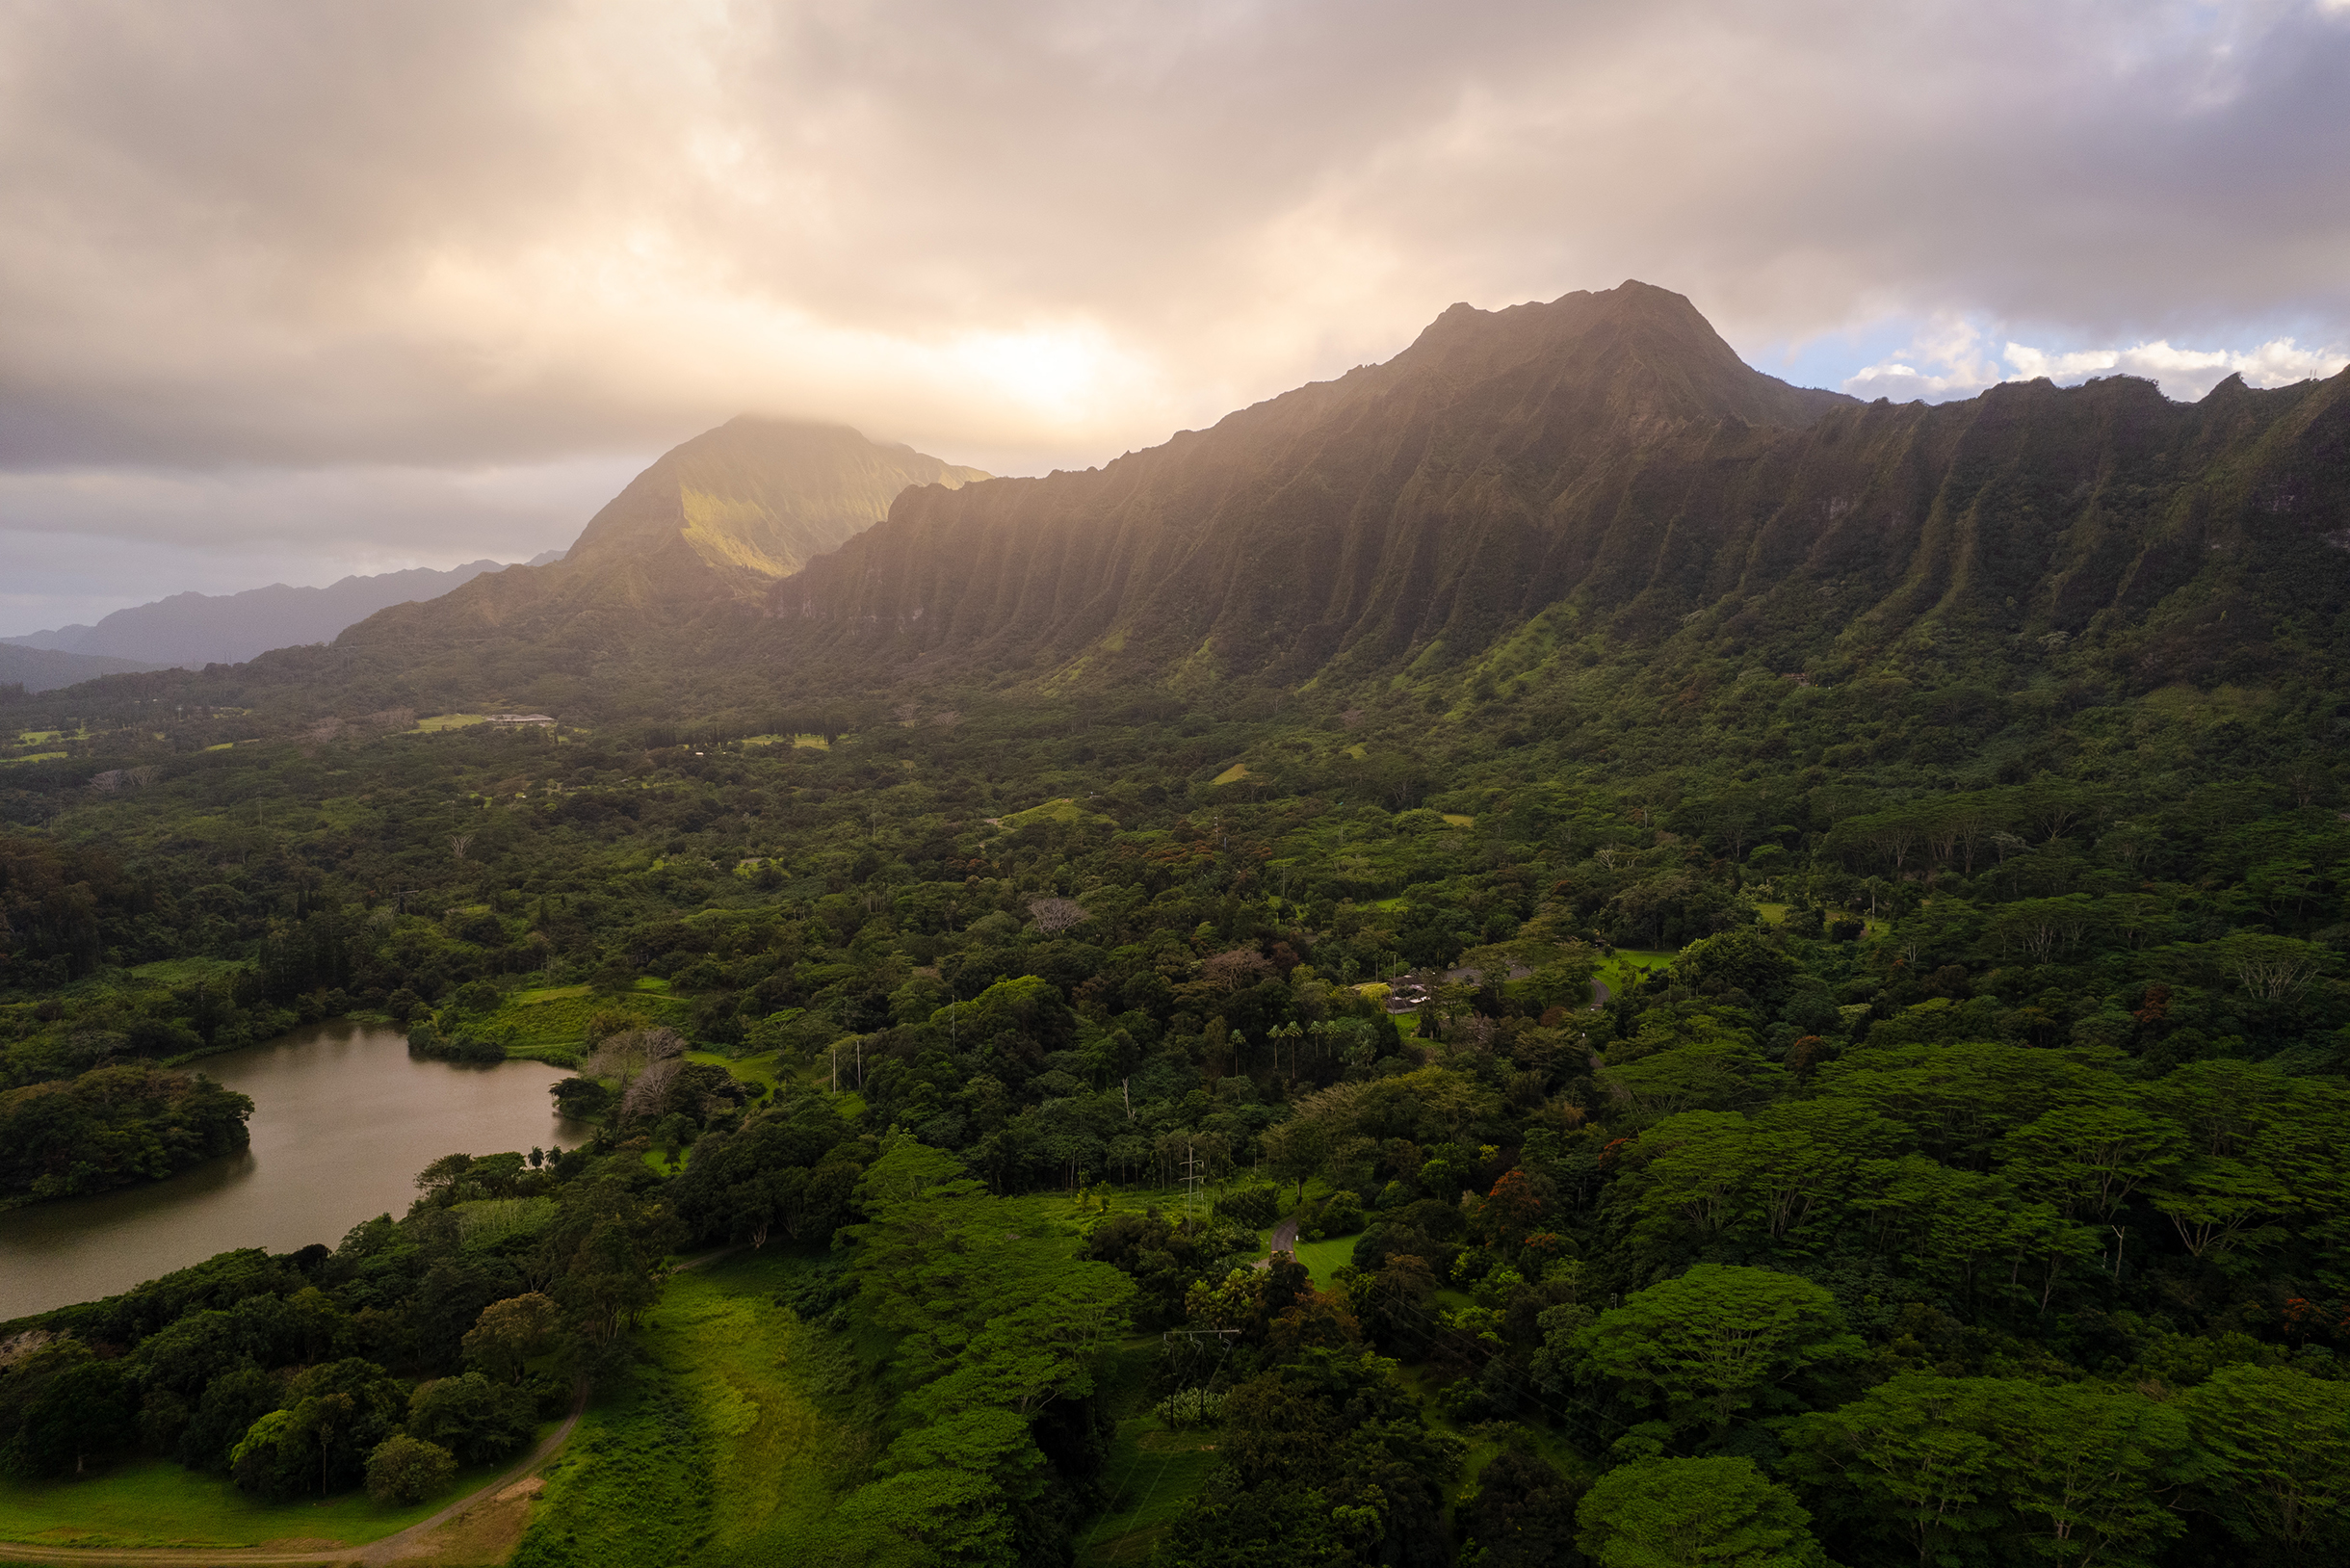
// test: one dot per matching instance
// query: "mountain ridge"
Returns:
(1516, 495)
(192, 629)
(1604, 460)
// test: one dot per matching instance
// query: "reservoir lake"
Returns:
(343, 1120)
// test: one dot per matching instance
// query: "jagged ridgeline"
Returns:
(1598, 477)
(1606, 459)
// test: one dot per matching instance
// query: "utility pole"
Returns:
(1190, 1180)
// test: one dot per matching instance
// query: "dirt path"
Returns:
(391, 1548)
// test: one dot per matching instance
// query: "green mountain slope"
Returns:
(1607, 458)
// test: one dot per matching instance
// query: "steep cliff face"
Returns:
(1608, 459)
(716, 520)
(1415, 500)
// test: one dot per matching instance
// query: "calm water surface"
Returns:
(343, 1120)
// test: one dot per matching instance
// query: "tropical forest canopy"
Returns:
(1809, 1040)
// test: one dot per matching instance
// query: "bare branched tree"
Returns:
(643, 1097)
(1236, 970)
(1056, 915)
(458, 843)
(632, 1051)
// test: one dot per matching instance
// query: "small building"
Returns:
(520, 718)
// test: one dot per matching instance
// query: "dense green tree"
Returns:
(403, 1468)
(1693, 1513)
(472, 1417)
(1705, 1348)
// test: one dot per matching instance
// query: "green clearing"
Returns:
(1151, 1472)
(717, 1448)
(762, 1072)
(444, 721)
(550, 1024)
(184, 971)
(1620, 967)
(1233, 774)
(1325, 1258)
(154, 1503)
(1065, 811)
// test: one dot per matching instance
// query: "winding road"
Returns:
(380, 1553)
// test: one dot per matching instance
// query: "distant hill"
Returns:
(194, 630)
(45, 669)
(709, 527)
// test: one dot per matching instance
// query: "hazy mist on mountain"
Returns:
(199, 629)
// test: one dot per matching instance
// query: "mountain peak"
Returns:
(758, 496)
(1635, 352)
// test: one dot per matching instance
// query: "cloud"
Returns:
(1958, 365)
(448, 232)
(268, 234)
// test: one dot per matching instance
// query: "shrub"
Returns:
(471, 1416)
(1341, 1213)
(403, 1469)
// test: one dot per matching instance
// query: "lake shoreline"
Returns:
(344, 1117)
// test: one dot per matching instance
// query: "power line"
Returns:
(1225, 1336)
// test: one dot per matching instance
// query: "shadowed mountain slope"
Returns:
(1433, 497)
(1604, 463)
(1518, 496)
(45, 669)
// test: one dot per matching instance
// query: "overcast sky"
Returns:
(293, 290)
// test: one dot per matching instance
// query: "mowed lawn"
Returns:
(150, 1503)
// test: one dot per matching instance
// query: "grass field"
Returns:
(155, 1503)
(1152, 1472)
(184, 971)
(550, 1024)
(1619, 967)
(716, 1450)
(1324, 1259)
(762, 1073)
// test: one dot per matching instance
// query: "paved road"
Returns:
(389, 1550)
(1285, 1239)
